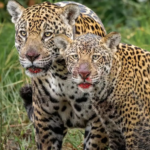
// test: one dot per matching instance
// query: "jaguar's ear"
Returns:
(112, 39)
(70, 13)
(62, 42)
(15, 10)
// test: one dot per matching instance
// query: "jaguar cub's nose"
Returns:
(32, 55)
(84, 71)
(84, 75)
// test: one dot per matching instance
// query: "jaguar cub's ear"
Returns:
(70, 12)
(112, 39)
(15, 10)
(62, 42)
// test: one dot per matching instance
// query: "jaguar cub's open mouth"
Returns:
(84, 85)
(34, 69)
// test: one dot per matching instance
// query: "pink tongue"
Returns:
(34, 70)
(84, 85)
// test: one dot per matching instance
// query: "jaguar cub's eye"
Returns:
(95, 57)
(47, 34)
(75, 56)
(23, 33)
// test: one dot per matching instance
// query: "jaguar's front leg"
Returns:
(49, 131)
(26, 95)
(107, 114)
(95, 136)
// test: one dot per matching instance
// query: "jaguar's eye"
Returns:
(95, 57)
(75, 56)
(47, 34)
(23, 33)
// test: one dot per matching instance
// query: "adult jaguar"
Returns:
(57, 104)
(117, 76)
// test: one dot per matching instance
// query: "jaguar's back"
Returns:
(87, 22)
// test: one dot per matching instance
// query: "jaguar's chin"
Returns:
(86, 90)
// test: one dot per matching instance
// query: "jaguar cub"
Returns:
(117, 76)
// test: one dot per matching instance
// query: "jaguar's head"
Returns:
(88, 57)
(35, 28)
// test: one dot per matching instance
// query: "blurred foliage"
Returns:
(113, 13)
(117, 13)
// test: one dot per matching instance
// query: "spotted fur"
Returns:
(119, 78)
(57, 103)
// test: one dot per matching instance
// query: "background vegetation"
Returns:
(129, 17)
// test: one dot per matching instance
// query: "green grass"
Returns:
(15, 128)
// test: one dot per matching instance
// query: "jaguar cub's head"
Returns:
(35, 28)
(88, 57)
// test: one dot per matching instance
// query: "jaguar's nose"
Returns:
(84, 70)
(84, 75)
(32, 55)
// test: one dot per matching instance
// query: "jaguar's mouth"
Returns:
(37, 71)
(34, 69)
(85, 85)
